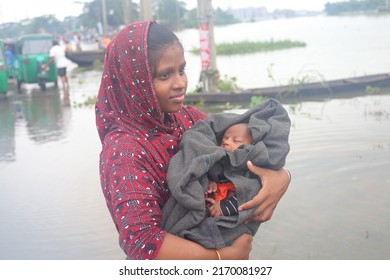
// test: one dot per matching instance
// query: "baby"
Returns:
(220, 195)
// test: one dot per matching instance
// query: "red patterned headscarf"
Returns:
(136, 145)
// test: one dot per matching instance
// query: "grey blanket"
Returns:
(200, 157)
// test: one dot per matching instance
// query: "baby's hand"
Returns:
(214, 207)
(212, 188)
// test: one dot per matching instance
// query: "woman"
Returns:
(141, 118)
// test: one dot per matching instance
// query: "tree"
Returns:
(220, 17)
(115, 13)
(92, 14)
(353, 6)
(171, 13)
(223, 18)
(9, 30)
(44, 24)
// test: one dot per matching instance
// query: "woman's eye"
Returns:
(164, 76)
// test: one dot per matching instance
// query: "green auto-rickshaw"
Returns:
(3, 71)
(32, 53)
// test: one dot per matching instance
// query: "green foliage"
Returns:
(200, 104)
(227, 84)
(115, 13)
(303, 77)
(252, 47)
(220, 17)
(372, 90)
(47, 24)
(97, 64)
(44, 24)
(171, 13)
(223, 18)
(353, 6)
(255, 100)
(88, 102)
(191, 19)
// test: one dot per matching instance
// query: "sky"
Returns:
(16, 10)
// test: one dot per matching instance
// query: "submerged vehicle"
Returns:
(3, 71)
(32, 53)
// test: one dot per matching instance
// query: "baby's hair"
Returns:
(220, 136)
(159, 38)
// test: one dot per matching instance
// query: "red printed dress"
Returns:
(136, 145)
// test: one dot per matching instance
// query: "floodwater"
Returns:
(336, 47)
(52, 207)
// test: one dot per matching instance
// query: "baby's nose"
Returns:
(225, 143)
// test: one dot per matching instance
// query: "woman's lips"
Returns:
(178, 98)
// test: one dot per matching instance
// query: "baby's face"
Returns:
(235, 136)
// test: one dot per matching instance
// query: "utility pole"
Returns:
(104, 15)
(209, 75)
(127, 14)
(146, 9)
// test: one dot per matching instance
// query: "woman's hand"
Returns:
(275, 184)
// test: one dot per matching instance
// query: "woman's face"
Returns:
(170, 80)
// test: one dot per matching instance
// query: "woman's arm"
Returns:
(135, 208)
(176, 248)
(275, 184)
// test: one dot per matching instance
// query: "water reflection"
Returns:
(336, 204)
(42, 115)
(7, 132)
(66, 98)
(39, 115)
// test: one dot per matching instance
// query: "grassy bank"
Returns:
(252, 47)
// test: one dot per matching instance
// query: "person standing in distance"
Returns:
(57, 55)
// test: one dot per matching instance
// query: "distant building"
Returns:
(284, 13)
(260, 13)
(250, 13)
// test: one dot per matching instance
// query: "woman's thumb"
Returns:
(254, 169)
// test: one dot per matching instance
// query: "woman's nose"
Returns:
(180, 81)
